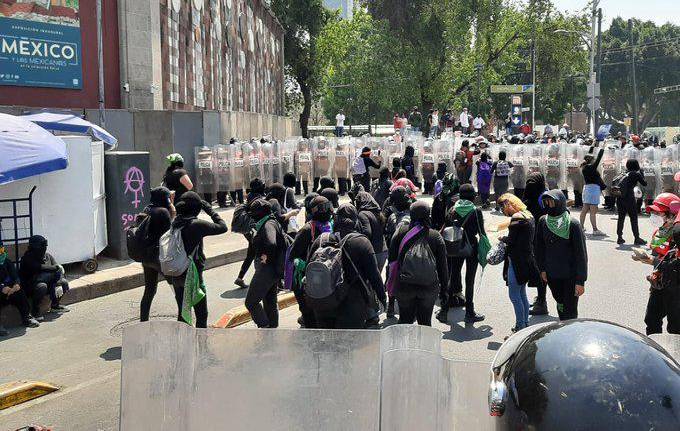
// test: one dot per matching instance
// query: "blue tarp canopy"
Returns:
(27, 149)
(71, 123)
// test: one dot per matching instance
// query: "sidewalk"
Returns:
(116, 276)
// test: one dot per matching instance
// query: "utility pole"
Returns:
(592, 78)
(100, 61)
(632, 65)
(571, 110)
(533, 82)
(479, 87)
(599, 62)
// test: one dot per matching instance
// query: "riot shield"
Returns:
(518, 175)
(376, 145)
(205, 175)
(277, 172)
(222, 168)
(553, 157)
(650, 169)
(253, 159)
(427, 164)
(303, 160)
(322, 157)
(573, 159)
(175, 377)
(266, 156)
(534, 153)
(238, 167)
(668, 161)
(444, 152)
(610, 164)
(287, 154)
(342, 158)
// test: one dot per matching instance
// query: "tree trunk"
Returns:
(306, 110)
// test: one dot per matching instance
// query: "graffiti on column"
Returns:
(134, 184)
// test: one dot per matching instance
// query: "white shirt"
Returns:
(464, 120)
(435, 120)
(563, 131)
(340, 120)
(478, 123)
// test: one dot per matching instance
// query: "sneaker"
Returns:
(443, 316)
(472, 318)
(598, 232)
(373, 322)
(620, 240)
(39, 318)
(3, 332)
(31, 322)
(240, 283)
(59, 309)
(538, 308)
(301, 322)
(640, 241)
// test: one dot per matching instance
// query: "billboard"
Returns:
(40, 44)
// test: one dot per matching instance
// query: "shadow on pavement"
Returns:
(234, 294)
(112, 354)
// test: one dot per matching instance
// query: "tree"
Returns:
(303, 21)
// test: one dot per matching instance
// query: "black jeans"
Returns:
(344, 184)
(222, 199)
(564, 293)
(20, 301)
(263, 290)
(541, 291)
(150, 288)
(351, 314)
(250, 256)
(663, 303)
(306, 312)
(627, 208)
(415, 303)
(455, 279)
(236, 196)
(200, 309)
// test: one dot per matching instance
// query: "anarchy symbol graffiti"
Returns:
(134, 183)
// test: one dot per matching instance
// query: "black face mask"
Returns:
(554, 211)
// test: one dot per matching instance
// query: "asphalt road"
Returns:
(80, 350)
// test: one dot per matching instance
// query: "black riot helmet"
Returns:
(584, 375)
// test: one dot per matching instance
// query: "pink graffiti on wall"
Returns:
(134, 183)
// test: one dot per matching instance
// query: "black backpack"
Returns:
(618, 183)
(456, 239)
(242, 222)
(137, 238)
(324, 286)
(284, 243)
(419, 267)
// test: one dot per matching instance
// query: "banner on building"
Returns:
(40, 44)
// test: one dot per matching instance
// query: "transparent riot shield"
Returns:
(303, 161)
(668, 161)
(376, 145)
(287, 154)
(343, 155)
(573, 159)
(444, 151)
(253, 158)
(610, 164)
(553, 157)
(222, 168)
(175, 377)
(650, 169)
(518, 175)
(238, 167)
(205, 174)
(277, 172)
(393, 150)
(428, 164)
(266, 156)
(322, 157)
(534, 154)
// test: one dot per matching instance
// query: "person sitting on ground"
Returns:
(176, 178)
(11, 292)
(41, 275)
(326, 182)
(359, 270)
(332, 196)
(396, 166)
(520, 263)
(415, 294)
(403, 181)
(561, 254)
(382, 191)
(193, 232)
(160, 211)
(306, 203)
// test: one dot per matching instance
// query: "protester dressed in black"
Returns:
(257, 191)
(160, 213)
(193, 232)
(41, 275)
(372, 225)
(626, 203)
(417, 302)
(267, 245)
(561, 254)
(444, 200)
(332, 196)
(534, 189)
(11, 292)
(176, 178)
(382, 191)
(357, 252)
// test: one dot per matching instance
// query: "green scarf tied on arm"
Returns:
(559, 225)
(464, 207)
(194, 292)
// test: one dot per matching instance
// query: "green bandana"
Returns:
(450, 185)
(464, 207)
(262, 221)
(3, 256)
(661, 237)
(559, 225)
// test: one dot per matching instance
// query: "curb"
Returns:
(136, 279)
(14, 393)
(240, 315)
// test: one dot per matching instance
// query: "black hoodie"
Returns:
(559, 258)
(159, 213)
(36, 260)
(535, 187)
(371, 220)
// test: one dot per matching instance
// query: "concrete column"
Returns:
(140, 54)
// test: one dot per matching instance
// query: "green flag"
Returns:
(194, 292)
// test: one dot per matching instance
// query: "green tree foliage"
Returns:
(302, 21)
(657, 56)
